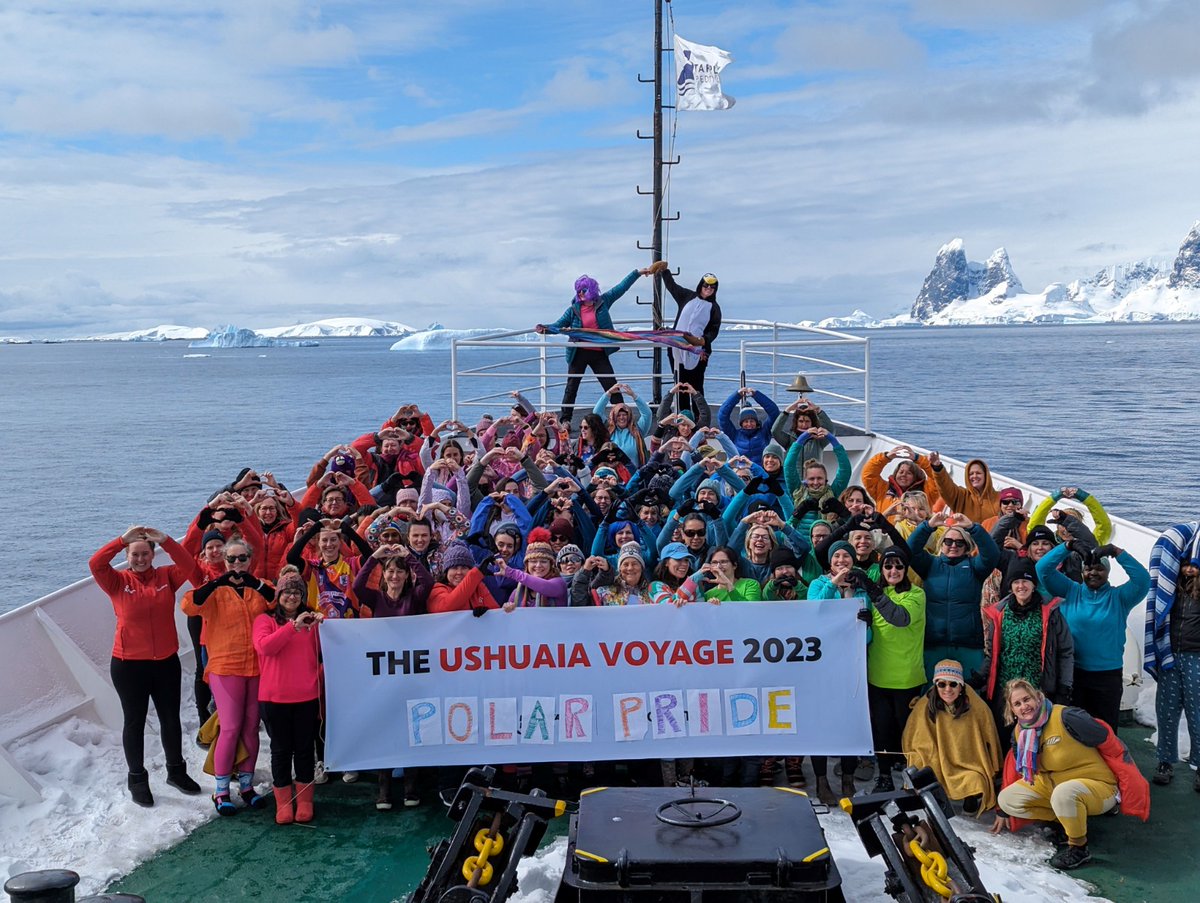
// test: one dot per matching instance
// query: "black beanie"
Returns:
(1021, 568)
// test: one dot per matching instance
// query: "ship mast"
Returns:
(656, 192)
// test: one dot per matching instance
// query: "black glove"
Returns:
(687, 507)
(864, 615)
(756, 485)
(1108, 550)
(804, 508)
(478, 612)
(709, 508)
(1075, 546)
(485, 564)
(833, 505)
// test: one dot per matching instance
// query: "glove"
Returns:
(864, 615)
(709, 508)
(755, 486)
(1108, 550)
(804, 508)
(833, 505)
(479, 612)
(485, 565)
(687, 507)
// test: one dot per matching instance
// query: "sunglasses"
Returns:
(1010, 501)
(955, 543)
(232, 558)
(948, 685)
(694, 534)
(708, 279)
(892, 566)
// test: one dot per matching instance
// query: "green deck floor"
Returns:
(351, 852)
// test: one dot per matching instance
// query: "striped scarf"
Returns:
(1171, 550)
(1029, 738)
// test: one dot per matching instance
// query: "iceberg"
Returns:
(436, 337)
(234, 337)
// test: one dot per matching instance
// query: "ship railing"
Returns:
(770, 354)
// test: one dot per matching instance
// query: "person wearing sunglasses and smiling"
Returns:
(953, 581)
(229, 604)
(954, 734)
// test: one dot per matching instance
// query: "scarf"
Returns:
(1170, 551)
(672, 338)
(1029, 738)
(693, 320)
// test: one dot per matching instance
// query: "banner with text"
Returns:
(590, 684)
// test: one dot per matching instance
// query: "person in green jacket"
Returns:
(895, 659)
(723, 578)
(786, 584)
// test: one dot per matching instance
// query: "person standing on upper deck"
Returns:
(699, 315)
(590, 310)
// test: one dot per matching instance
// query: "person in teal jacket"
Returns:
(808, 481)
(953, 582)
(590, 310)
(1096, 612)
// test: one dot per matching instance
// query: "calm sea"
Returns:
(100, 436)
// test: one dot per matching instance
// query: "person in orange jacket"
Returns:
(978, 500)
(145, 660)
(229, 606)
(461, 587)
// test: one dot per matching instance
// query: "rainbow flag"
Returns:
(672, 338)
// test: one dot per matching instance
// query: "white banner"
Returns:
(698, 76)
(590, 684)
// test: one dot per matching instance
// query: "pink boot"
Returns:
(283, 805)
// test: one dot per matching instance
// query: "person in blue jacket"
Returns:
(590, 309)
(752, 433)
(953, 582)
(1096, 612)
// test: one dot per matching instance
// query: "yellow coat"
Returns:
(963, 752)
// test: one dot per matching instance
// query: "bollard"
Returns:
(47, 886)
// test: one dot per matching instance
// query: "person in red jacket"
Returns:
(461, 587)
(289, 692)
(145, 659)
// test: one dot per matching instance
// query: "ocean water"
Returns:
(98, 436)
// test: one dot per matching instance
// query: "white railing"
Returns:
(535, 366)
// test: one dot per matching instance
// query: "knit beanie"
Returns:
(292, 582)
(948, 669)
(686, 414)
(782, 556)
(774, 448)
(630, 550)
(562, 528)
(457, 555)
(841, 545)
(569, 552)
(408, 494)
(748, 412)
(1021, 568)
(209, 536)
(894, 552)
(709, 484)
(539, 545)
(1040, 532)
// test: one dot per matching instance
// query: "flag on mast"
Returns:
(698, 76)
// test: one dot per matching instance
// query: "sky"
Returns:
(268, 162)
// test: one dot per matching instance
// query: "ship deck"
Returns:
(352, 852)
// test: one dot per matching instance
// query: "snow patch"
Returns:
(154, 334)
(337, 327)
(437, 337)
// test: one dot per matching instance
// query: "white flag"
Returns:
(698, 76)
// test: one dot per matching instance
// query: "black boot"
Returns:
(383, 801)
(139, 788)
(178, 778)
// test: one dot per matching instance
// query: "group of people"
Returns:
(995, 634)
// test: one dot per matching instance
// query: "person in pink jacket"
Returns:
(288, 691)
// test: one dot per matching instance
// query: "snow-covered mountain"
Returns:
(338, 327)
(14, 340)
(154, 334)
(958, 291)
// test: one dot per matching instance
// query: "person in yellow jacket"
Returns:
(978, 500)
(1103, 524)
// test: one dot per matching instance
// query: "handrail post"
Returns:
(454, 379)
(867, 385)
(774, 359)
(542, 370)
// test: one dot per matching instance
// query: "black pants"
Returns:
(889, 713)
(292, 727)
(820, 766)
(693, 376)
(137, 682)
(199, 685)
(600, 365)
(1099, 694)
